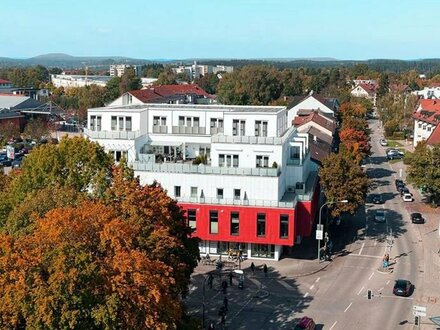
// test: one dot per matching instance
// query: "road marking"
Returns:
(305, 295)
(380, 289)
(388, 282)
(372, 274)
(375, 243)
(317, 280)
(348, 307)
(362, 289)
(299, 303)
(331, 328)
(286, 285)
(364, 255)
(311, 288)
(362, 247)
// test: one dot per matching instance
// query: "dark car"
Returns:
(376, 199)
(417, 218)
(380, 216)
(399, 182)
(402, 288)
(400, 188)
(305, 323)
(404, 191)
(394, 156)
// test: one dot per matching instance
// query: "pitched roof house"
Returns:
(304, 105)
(426, 121)
(367, 91)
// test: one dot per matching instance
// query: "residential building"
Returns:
(147, 82)
(361, 80)
(172, 94)
(255, 187)
(304, 105)
(430, 92)
(195, 70)
(70, 81)
(367, 91)
(118, 70)
(426, 121)
(5, 84)
(11, 107)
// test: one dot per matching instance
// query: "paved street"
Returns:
(336, 296)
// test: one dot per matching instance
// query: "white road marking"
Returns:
(317, 280)
(306, 294)
(286, 285)
(380, 289)
(331, 328)
(362, 247)
(311, 288)
(388, 282)
(372, 274)
(360, 291)
(375, 243)
(364, 255)
(299, 303)
(348, 307)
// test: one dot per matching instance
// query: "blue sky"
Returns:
(151, 29)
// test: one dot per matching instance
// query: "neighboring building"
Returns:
(301, 105)
(148, 82)
(195, 71)
(367, 91)
(431, 92)
(258, 191)
(70, 81)
(172, 94)
(5, 84)
(118, 70)
(426, 121)
(321, 130)
(11, 107)
(367, 81)
(401, 89)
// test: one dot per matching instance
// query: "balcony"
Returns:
(160, 129)
(216, 130)
(188, 130)
(242, 202)
(247, 139)
(204, 169)
(112, 135)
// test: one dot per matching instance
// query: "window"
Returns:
(189, 121)
(261, 224)
(219, 193)
(263, 250)
(228, 160)
(424, 127)
(193, 191)
(237, 193)
(216, 122)
(121, 123)
(262, 161)
(235, 223)
(260, 128)
(221, 160)
(238, 127)
(176, 191)
(128, 123)
(114, 123)
(295, 152)
(429, 128)
(192, 219)
(98, 123)
(213, 222)
(117, 154)
(181, 121)
(420, 125)
(284, 226)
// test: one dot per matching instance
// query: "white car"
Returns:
(407, 197)
(383, 142)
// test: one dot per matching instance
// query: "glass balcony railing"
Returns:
(112, 135)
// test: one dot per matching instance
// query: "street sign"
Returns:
(320, 227)
(419, 308)
(417, 313)
(319, 234)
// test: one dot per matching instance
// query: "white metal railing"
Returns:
(160, 129)
(204, 169)
(216, 130)
(242, 202)
(113, 135)
(188, 130)
(219, 138)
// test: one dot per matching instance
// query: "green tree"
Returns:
(152, 70)
(384, 85)
(129, 81)
(112, 89)
(36, 129)
(342, 178)
(166, 77)
(424, 169)
(8, 131)
(208, 82)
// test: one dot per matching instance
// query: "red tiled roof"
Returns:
(399, 88)
(316, 118)
(434, 138)
(369, 88)
(428, 111)
(434, 84)
(156, 93)
(2, 81)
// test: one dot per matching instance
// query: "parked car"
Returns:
(401, 188)
(394, 152)
(399, 182)
(383, 142)
(407, 198)
(417, 218)
(305, 323)
(402, 288)
(376, 199)
(404, 191)
(392, 156)
(379, 216)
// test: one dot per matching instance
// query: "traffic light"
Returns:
(417, 320)
(369, 294)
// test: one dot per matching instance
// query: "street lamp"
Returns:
(319, 225)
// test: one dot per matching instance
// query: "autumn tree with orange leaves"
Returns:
(112, 255)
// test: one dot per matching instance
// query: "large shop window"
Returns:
(235, 223)
(261, 224)
(284, 226)
(263, 250)
(213, 222)
(192, 219)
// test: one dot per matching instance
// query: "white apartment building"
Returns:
(70, 81)
(432, 92)
(118, 70)
(254, 163)
(197, 70)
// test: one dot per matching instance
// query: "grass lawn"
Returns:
(394, 143)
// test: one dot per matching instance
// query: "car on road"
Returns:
(305, 323)
(383, 142)
(402, 288)
(395, 153)
(379, 216)
(407, 197)
(404, 191)
(394, 156)
(399, 183)
(376, 199)
(400, 188)
(417, 218)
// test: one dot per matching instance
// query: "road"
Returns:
(336, 298)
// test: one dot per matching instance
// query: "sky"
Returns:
(179, 29)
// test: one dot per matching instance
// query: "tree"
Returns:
(424, 169)
(342, 178)
(208, 82)
(129, 81)
(384, 85)
(8, 131)
(36, 129)
(356, 142)
(152, 70)
(112, 89)
(166, 77)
